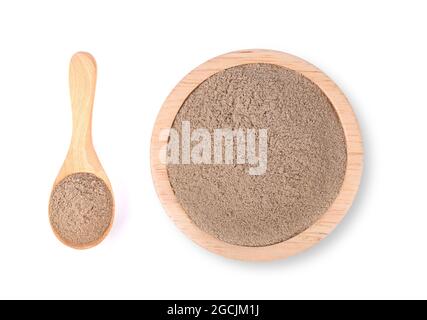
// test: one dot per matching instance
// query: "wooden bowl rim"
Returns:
(329, 219)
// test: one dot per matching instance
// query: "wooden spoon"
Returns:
(81, 157)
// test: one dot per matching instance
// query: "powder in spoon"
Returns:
(81, 208)
(306, 156)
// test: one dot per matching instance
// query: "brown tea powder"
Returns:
(306, 156)
(81, 208)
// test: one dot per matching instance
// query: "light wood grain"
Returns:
(326, 223)
(81, 156)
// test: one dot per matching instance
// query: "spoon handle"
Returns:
(81, 156)
(82, 91)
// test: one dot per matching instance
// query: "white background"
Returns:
(375, 50)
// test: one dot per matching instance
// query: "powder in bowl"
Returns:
(81, 208)
(306, 156)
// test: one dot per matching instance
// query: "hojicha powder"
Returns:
(306, 153)
(81, 208)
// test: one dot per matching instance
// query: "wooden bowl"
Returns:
(330, 218)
